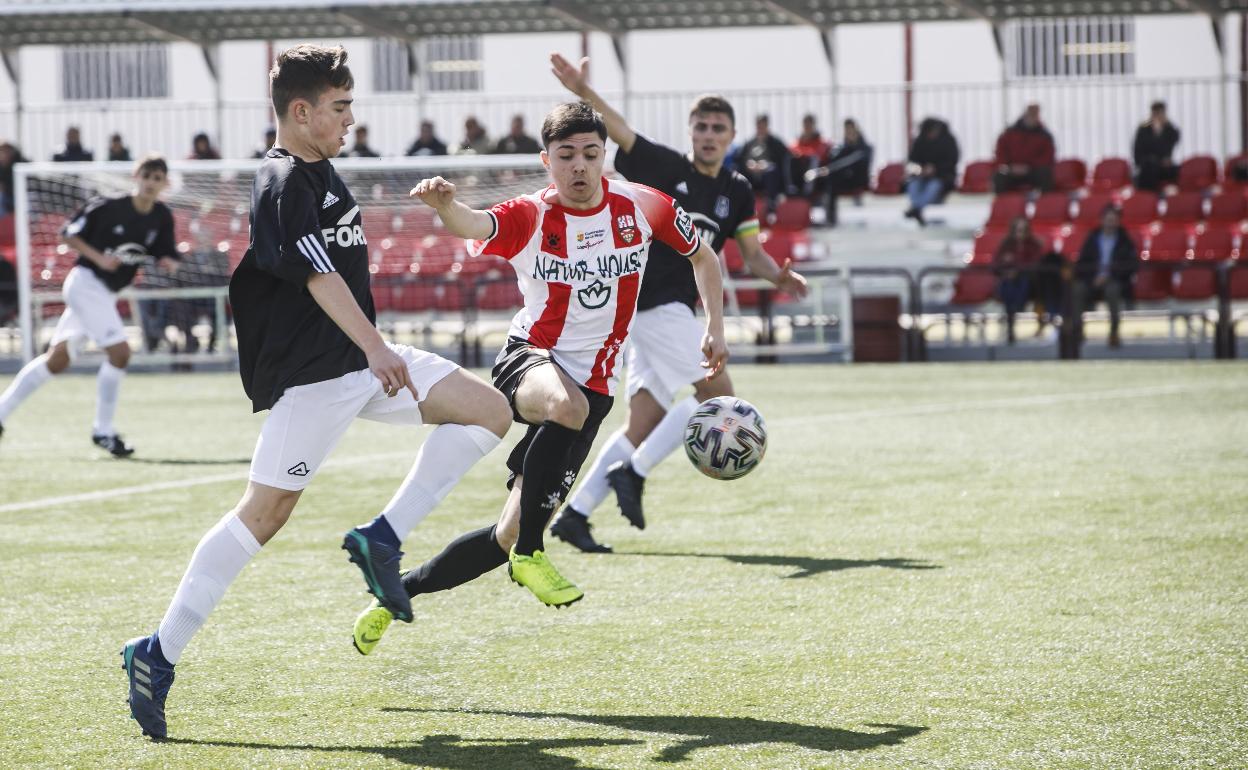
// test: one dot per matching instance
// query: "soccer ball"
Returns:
(725, 438)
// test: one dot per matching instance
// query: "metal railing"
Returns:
(1089, 118)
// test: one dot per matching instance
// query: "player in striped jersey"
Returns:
(579, 249)
(663, 348)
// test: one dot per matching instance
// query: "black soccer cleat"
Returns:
(573, 529)
(112, 444)
(628, 485)
(380, 565)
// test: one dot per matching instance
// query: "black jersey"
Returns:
(113, 224)
(303, 221)
(721, 207)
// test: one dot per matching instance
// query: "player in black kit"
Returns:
(663, 355)
(114, 237)
(310, 354)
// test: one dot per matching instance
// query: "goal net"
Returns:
(428, 291)
(418, 268)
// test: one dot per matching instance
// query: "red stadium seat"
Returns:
(1053, 207)
(1229, 181)
(499, 295)
(1111, 174)
(1140, 208)
(1153, 281)
(977, 178)
(733, 261)
(986, 243)
(1226, 208)
(1069, 175)
(974, 287)
(1072, 242)
(1198, 173)
(1007, 207)
(1198, 279)
(1184, 208)
(1238, 278)
(1091, 206)
(792, 214)
(1167, 245)
(8, 237)
(890, 179)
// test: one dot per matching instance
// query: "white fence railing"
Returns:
(1089, 118)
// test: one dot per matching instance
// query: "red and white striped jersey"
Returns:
(580, 270)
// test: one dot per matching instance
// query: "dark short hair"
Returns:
(1158, 106)
(153, 161)
(1111, 208)
(712, 103)
(572, 118)
(305, 72)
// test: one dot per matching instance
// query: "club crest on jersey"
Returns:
(721, 207)
(627, 227)
(594, 295)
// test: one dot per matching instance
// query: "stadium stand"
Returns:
(1198, 173)
(1069, 175)
(1111, 174)
(977, 178)
(891, 179)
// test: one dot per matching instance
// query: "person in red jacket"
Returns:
(1017, 255)
(1025, 154)
(810, 151)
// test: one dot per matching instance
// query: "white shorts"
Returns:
(664, 351)
(307, 422)
(90, 313)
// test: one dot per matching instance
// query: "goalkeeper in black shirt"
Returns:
(310, 354)
(663, 352)
(114, 238)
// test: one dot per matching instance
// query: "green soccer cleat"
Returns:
(369, 627)
(537, 574)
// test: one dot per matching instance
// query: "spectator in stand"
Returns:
(270, 139)
(202, 149)
(1105, 269)
(361, 148)
(1025, 154)
(517, 142)
(933, 168)
(8, 290)
(1013, 263)
(475, 141)
(73, 149)
(810, 152)
(117, 149)
(765, 161)
(9, 155)
(427, 143)
(848, 170)
(1154, 150)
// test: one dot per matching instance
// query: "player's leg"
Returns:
(218, 559)
(669, 433)
(669, 359)
(108, 386)
(33, 375)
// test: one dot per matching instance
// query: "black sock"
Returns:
(545, 462)
(466, 558)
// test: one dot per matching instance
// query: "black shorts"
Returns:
(518, 357)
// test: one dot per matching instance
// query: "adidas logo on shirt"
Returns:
(330, 199)
(682, 188)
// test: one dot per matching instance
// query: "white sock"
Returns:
(446, 456)
(666, 436)
(594, 488)
(107, 385)
(219, 557)
(27, 381)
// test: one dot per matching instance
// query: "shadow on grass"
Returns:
(709, 732)
(188, 461)
(805, 566)
(450, 752)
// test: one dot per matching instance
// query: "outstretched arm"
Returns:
(460, 220)
(761, 264)
(576, 80)
(335, 298)
(711, 289)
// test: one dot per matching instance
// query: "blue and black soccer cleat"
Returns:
(150, 679)
(112, 444)
(380, 564)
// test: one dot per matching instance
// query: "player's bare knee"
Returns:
(119, 356)
(569, 410)
(58, 359)
(720, 386)
(495, 414)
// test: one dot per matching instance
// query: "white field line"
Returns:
(904, 411)
(199, 481)
(976, 405)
